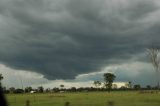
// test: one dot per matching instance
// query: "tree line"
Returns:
(107, 85)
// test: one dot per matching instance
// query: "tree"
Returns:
(18, 90)
(130, 84)
(73, 89)
(62, 86)
(153, 54)
(12, 90)
(28, 89)
(109, 78)
(55, 89)
(137, 87)
(1, 77)
(48, 90)
(97, 83)
(40, 89)
(148, 87)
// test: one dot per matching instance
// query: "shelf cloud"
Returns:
(61, 39)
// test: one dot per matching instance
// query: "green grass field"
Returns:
(85, 99)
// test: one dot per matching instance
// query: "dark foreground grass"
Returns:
(85, 99)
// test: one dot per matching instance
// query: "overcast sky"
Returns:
(73, 42)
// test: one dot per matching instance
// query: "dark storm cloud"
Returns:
(64, 38)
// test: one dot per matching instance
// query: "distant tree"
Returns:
(11, 90)
(62, 86)
(73, 89)
(123, 87)
(97, 83)
(1, 77)
(40, 89)
(80, 89)
(28, 89)
(55, 89)
(137, 87)
(130, 84)
(48, 90)
(18, 90)
(153, 54)
(109, 78)
(148, 87)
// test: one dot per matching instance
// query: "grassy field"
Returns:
(85, 99)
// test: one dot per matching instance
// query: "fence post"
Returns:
(27, 103)
(15, 99)
(34, 98)
(67, 104)
(110, 103)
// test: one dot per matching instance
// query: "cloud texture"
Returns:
(64, 38)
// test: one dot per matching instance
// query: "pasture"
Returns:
(125, 98)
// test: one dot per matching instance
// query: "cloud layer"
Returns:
(62, 39)
(136, 72)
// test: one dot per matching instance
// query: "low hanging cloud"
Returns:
(136, 72)
(62, 39)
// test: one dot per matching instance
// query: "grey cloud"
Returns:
(61, 39)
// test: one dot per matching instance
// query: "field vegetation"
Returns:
(116, 98)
